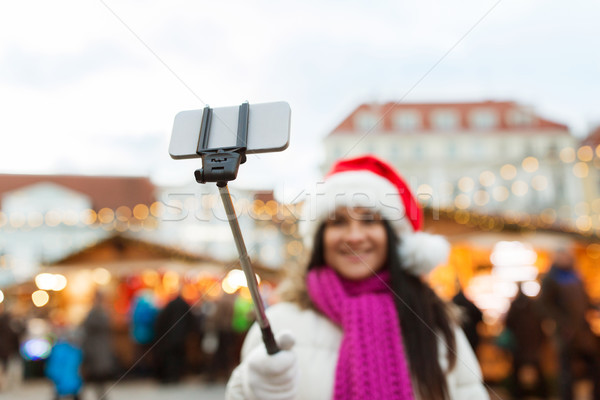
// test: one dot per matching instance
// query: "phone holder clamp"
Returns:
(221, 165)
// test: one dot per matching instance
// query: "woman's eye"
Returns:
(337, 222)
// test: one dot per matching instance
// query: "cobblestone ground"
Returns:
(42, 389)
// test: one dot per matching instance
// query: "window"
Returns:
(445, 120)
(408, 120)
(519, 117)
(483, 119)
(366, 121)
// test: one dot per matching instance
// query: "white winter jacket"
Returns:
(317, 344)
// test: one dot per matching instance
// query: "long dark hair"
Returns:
(423, 318)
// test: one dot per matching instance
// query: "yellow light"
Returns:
(539, 182)
(487, 178)
(461, 217)
(60, 282)
(584, 223)
(462, 201)
(500, 193)
(519, 188)
(1, 296)
(150, 224)
(237, 279)
(17, 219)
(258, 207)
(150, 278)
(466, 184)
(141, 211)
(567, 155)
(156, 209)
(227, 287)
(585, 153)
(295, 247)
(530, 164)
(481, 198)
(35, 219)
(88, 217)
(70, 218)
(508, 172)
(123, 213)
(271, 207)
(40, 298)
(101, 276)
(170, 281)
(106, 215)
(593, 250)
(424, 189)
(580, 170)
(548, 216)
(45, 281)
(52, 218)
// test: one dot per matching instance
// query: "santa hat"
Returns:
(371, 183)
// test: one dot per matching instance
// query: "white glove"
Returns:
(272, 377)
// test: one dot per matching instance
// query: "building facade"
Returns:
(492, 157)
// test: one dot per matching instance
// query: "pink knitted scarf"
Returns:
(371, 363)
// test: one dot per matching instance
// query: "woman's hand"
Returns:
(272, 377)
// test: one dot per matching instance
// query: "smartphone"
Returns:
(268, 129)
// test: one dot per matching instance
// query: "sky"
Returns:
(93, 86)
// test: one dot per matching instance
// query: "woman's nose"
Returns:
(355, 231)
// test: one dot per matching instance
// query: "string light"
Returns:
(462, 201)
(530, 164)
(466, 184)
(106, 215)
(567, 155)
(500, 193)
(519, 188)
(580, 170)
(141, 211)
(508, 172)
(585, 153)
(487, 178)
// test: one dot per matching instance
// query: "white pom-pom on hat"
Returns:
(421, 252)
(371, 183)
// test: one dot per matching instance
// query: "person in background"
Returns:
(565, 302)
(63, 365)
(99, 362)
(142, 321)
(471, 317)
(361, 322)
(173, 324)
(10, 359)
(524, 323)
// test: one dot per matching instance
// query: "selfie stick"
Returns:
(221, 166)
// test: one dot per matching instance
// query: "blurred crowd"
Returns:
(547, 338)
(178, 339)
(167, 343)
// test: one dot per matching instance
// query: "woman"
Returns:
(364, 322)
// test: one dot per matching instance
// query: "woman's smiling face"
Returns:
(355, 243)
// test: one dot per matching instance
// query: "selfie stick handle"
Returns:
(261, 317)
(221, 165)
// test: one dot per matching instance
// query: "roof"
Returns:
(119, 248)
(593, 139)
(386, 114)
(104, 191)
